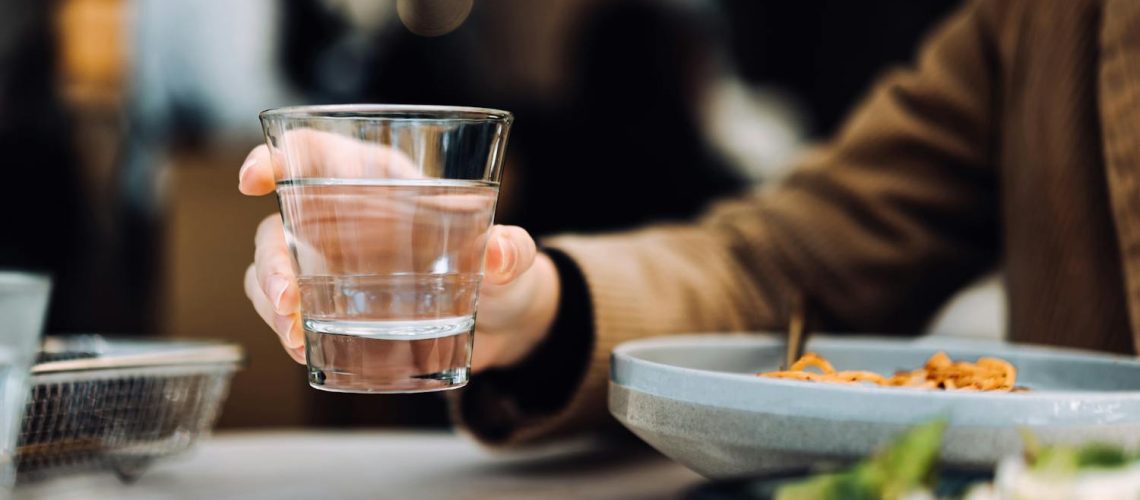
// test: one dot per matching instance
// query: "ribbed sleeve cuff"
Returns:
(499, 405)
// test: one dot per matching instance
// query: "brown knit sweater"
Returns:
(1014, 143)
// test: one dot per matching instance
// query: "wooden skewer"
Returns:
(797, 331)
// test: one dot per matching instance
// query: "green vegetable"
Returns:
(1057, 461)
(863, 482)
(904, 465)
(1102, 455)
(1030, 443)
(1067, 461)
(907, 464)
(822, 487)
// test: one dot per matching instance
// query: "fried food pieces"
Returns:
(939, 372)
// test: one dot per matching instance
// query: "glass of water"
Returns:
(387, 210)
(23, 303)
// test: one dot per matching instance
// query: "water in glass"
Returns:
(389, 272)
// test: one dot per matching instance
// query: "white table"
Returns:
(332, 465)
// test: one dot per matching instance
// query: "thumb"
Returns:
(510, 252)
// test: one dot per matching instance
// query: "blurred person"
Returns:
(36, 140)
(82, 207)
(1013, 142)
(48, 220)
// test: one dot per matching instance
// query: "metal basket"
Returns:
(99, 404)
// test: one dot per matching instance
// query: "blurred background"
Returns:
(123, 123)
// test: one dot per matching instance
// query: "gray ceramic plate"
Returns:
(695, 399)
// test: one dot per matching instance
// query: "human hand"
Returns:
(519, 292)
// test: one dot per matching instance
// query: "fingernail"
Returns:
(277, 287)
(245, 168)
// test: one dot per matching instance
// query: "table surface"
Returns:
(373, 464)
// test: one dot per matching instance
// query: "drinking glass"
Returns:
(387, 210)
(23, 303)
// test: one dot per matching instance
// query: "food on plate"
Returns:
(939, 372)
(907, 470)
(902, 470)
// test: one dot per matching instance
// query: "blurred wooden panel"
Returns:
(91, 73)
(93, 50)
(208, 244)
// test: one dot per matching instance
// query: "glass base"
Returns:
(350, 383)
(371, 365)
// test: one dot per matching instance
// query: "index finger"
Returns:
(315, 153)
(257, 176)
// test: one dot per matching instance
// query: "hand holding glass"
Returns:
(387, 211)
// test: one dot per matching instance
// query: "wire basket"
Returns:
(99, 404)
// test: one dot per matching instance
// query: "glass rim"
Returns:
(389, 112)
